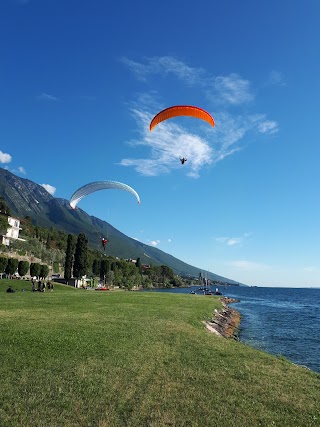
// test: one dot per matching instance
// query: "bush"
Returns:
(35, 269)
(23, 268)
(44, 271)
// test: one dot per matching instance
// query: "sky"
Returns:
(80, 81)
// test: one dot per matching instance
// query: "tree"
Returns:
(3, 224)
(126, 274)
(44, 271)
(118, 277)
(109, 277)
(56, 267)
(4, 208)
(166, 273)
(71, 244)
(80, 264)
(35, 269)
(3, 264)
(104, 268)
(48, 242)
(96, 267)
(114, 267)
(146, 281)
(177, 281)
(138, 264)
(137, 280)
(18, 246)
(23, 268)
(33, 246)
(12, 266)
(128, 283)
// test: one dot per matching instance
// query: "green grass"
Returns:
(85, 358)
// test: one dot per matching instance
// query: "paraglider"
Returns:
(181, 110)
(99, 185)
(183, 160)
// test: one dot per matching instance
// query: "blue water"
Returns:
(280, 321)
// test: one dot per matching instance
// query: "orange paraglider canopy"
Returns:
(181, 110)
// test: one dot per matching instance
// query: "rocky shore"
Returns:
(226, 321)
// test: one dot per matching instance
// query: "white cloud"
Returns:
(22, 170)
(50, 189)
(5, 157)
(140, 70)
(165, 65)
(232, 241)
(46, 97)
(232, 89)
(154, 242)
(268, 126)
(169, 240)
(247, 265)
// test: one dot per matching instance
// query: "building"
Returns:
(12, 232)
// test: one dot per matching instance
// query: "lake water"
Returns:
(281, 321)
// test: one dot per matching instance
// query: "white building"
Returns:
(12, 231)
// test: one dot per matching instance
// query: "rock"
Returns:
(225, 321)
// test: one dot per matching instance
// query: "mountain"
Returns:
(26, 198)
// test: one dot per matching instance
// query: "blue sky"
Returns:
(81, 80)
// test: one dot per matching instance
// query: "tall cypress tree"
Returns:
(138, 263)
(96, 267)
(104, 268)
(3, 224)
(80, 264)
(71, 244)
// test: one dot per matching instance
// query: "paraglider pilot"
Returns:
(183, 160)
(104, 243)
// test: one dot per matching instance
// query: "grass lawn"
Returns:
(84, 358)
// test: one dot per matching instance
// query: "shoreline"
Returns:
(226, 321)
